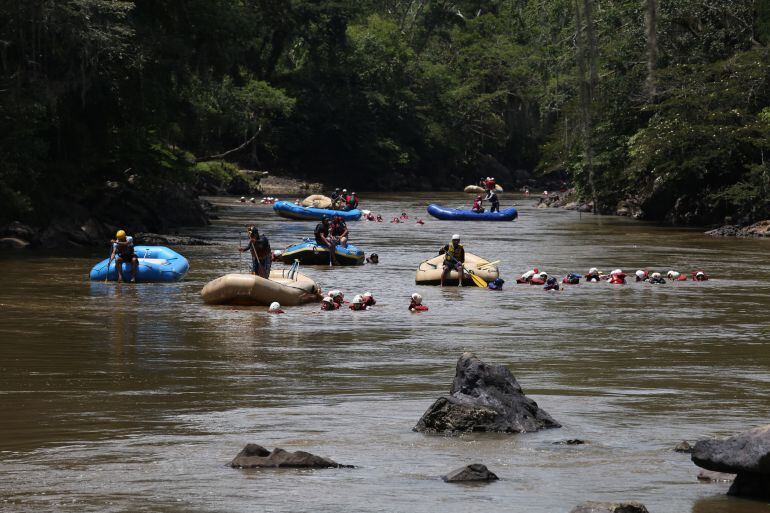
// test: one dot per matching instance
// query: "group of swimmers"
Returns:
(268, 200)
(616, 277)
(335, 299)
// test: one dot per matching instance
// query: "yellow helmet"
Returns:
(120, 235)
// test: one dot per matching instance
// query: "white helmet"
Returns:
(543, 275)
(672, 274)
(243, 198)
(617, 271)
(327, 299)
(366, 294)
(640, 274)
(656, 276)
(274, 306)
(593, 270)
(456, 236)
(358, 299)
(700, 273)
(336, 294)
(417, 298)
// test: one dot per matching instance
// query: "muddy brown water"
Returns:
(134, 397)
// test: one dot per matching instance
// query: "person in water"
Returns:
(338, 297)
(373, 259)
(358, 303)
(527, 276)
(477, 205)
(617, 277)
(275, 308)
(656, 279)
(496, 284)
(571, 279)
(416, 304)
(328, 303)
(642, 275)
(454, 257)
(493, 200)
(261, 255)
(323, 238)
(699, 276)
(368, 299)
(593, 275)
(551, 284)
(339, 231)
(123, 251)
(676, 276)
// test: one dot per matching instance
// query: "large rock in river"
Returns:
(469, 473)
(254, 456)
(483, 398)
(610, 507)
(746, 454)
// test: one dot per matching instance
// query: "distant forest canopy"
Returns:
(664, 104)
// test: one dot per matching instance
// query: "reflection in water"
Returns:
(133, 397)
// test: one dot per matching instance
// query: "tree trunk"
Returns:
(651, 29)
(586, 89)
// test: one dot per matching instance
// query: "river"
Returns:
(135, 397)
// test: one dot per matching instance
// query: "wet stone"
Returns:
(469, 473)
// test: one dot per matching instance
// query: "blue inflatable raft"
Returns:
(292, 211)
(310, 253)
(156, 264)
(454, 214)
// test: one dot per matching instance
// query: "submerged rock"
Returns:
(483, 398)
(683, 446)
(256, 456)
(610, 507)
(571, 441)
(710, 476)
(473, 472)
(746, 454)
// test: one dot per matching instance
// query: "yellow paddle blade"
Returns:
(478, 280)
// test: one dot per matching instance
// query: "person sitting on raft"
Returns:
(617, 277)
(328, 303)
(261, 255)
(338, 203)
(416, 304)
(642, 275)
(335, 195)
(676, 276)
(551, 284)
(358, 303)
(322, 238)
(571, 279)
(275, 308)
(123, 251)
(339, 231)
(477, 205)
(656, 279)
(454, 257)
(493, 200)
(593, 275)
(699, 276)
(368, 299)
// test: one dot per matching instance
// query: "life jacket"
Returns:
(536, 281)
(489, 184)
(125, 249)
(476, 204)
(618, 279)
(276, 311)
(418, 308)
(571, 279)
(454, 253)
(358, 306)
(325, 305)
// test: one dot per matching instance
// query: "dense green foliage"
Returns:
(389, 94)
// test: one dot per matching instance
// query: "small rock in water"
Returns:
(710, 476)
(610, 507)
(256, 456)
(483, 398)
(683, 446)
(571, 441)
(474, 472)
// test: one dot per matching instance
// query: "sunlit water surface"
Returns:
(134, 397)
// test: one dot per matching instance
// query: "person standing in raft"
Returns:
(261, 255)
(351, 202)
(123, 251)
(493, 200)
(322, 238)
(454, 257)
(339, 231)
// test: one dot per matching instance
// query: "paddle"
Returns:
(489, 264)
(109, 262)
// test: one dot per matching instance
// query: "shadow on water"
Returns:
(118, 398)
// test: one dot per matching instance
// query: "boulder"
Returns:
(683, 446)
(483, 398)
(473, 472)
(709, 476)
(256, 456)
(156, 239)
(745, 452)
(610, 507)
(571, 441)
